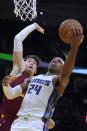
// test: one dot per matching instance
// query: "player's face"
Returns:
(56, 65)
(31, 66)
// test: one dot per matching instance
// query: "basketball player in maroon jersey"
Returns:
(27, 68)
(24, 69)
(9, 108)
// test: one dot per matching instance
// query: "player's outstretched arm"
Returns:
(69, 63)
(27, 30)
(18, 62)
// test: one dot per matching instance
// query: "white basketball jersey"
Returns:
(40, 98)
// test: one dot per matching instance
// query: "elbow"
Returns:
(16, 39)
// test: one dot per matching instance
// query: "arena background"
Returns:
(71, 110)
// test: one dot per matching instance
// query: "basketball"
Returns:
(67, 30)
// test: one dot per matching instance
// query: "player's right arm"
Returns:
(18, 62)
(69, 63)
(17, 91)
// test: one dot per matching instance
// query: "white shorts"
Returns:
(28, 124)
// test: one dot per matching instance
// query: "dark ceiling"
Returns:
(54, 12)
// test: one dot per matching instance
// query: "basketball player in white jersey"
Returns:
(29, 64)
(44, 91)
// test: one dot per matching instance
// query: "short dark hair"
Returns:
(35, 57)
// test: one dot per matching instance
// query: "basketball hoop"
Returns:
(25, 9)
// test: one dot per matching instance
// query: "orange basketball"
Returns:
(67, 30)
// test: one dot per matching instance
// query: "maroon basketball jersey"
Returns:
(11, 107)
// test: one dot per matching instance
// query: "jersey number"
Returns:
(34, 87)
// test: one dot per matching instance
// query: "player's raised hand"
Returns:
(77, 41)
(39, 28)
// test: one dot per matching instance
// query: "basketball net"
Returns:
(25, 9)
